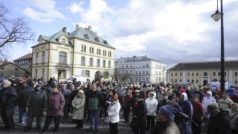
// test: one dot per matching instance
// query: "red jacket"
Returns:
(197, 111)
(55, 104)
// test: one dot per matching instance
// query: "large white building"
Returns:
(140, 69)
(202, 72)
(64, 54)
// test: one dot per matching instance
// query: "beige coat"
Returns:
(78, 104)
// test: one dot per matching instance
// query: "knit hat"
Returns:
(81, 91)
(168, 111)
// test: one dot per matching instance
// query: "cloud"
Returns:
(167, 30)
(43, 11)
(76, 7)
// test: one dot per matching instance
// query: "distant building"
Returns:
(9, 69)
(25, 62)
(80, 52)
(202, 72)
(140, 69)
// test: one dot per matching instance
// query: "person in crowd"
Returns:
(225, 102)
(23, 95)
(127, 103)
(8, 101)
(103, 102)
(207, 99)
(139, 113)
(55, 107)
(66, 92)
(78, 105)
(197, 115)
(165, 123)
(234, 118)
(113, 111)
(94, 107)
(185, 104)
(151, 108)
(36, 105)
(219, 121)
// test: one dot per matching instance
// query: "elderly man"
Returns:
(219, 122)
(8, 100)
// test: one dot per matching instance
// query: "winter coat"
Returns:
(37, 103)
(166, 128)
(56, 104)
(198, 111)
(225, 104)
(23, 95)
(234, 121)
(113, 111)
(8, 98)
(93, 102)
(219, 124)
(151, 106)
(139, 112)
(78, 105)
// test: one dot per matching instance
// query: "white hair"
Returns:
(6, 83)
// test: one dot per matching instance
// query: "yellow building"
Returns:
(201, 72)
(64, 54)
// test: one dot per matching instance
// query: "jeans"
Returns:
(94, 119)
(150, 122)
(48, 121)
(22, 114)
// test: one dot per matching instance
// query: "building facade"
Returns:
(80, 52)
(202, 72)
(140, 69)
(9, 69)
(25, 62)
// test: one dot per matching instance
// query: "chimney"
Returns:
(64, 29)
(89, 28)
(77, 26)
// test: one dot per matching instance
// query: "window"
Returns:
(175, 74)
(147, 65)
(171, 74)
(87, 73)
(63, 57)
(82, 61)
(36, 57)
(63, 41)
(85, 36)
(91, 62)
(98, 51)
(236, 82)
(63, 75)
(43, 72)
(92, 50)
(214, 73)
(36, 73)
(109, 54)
(180, 80)
(236, 73)
(98, 62)
(84, 49)
(188, 73)
(196, 74)
(96, 39)
(205, 74)
(188, 81)
(104, 63)
(109, 64)
(196, 81)
(180, 74)
(105, 42)
(147, 72)
(43, 56)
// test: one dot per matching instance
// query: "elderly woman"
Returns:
(78, 104)
(8, 100)
(55, 107)
(113, 114)
(165, 122)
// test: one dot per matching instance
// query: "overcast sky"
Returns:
(170, 31)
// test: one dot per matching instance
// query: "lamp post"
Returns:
(217, 16)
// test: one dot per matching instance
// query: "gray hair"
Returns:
(6, 83)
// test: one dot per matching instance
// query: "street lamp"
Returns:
(217, 16)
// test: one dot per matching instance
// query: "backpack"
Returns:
(93, 103)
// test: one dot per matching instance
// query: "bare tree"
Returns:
(13, 30)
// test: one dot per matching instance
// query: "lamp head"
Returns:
(216, 16)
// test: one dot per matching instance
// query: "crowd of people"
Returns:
(147, 108)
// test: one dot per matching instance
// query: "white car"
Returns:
(78, 78)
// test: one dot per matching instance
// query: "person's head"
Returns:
(224, 95)
(166, 113)
(213, 109)
(183, 97)
(94, 86)
(152, 95)
(6, 83)
(196, 98)
(80, 92)
(114, 97)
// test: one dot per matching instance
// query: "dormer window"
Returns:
(57, 39)
(105, 42)
(96, 39)
(63, 40)
(85, 36)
